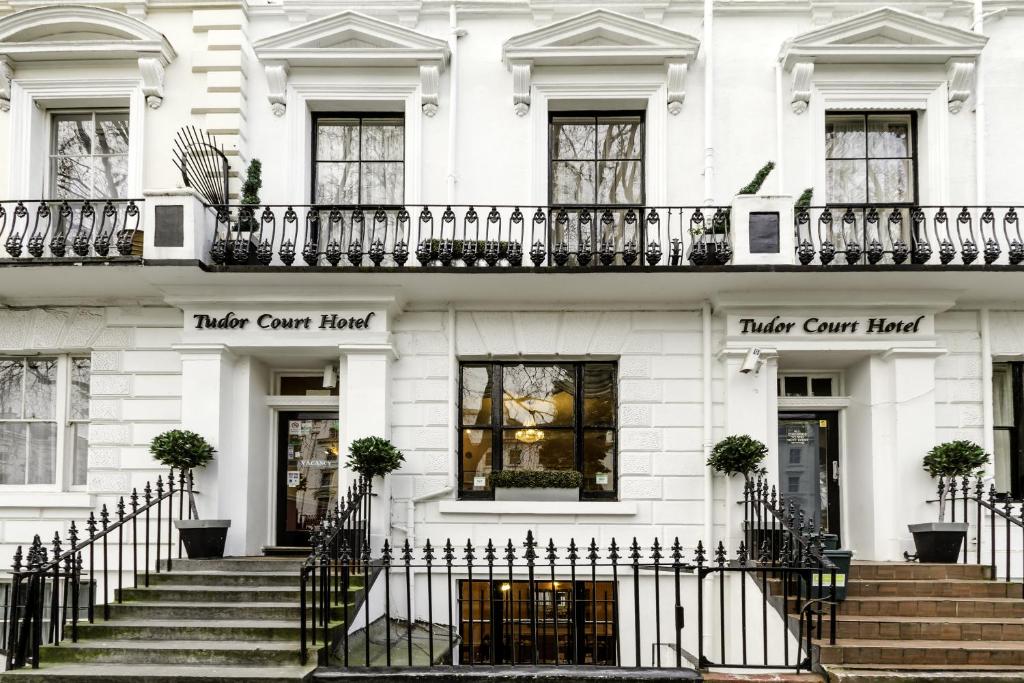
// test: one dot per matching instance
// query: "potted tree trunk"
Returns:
(940, 541)
(373, 458)
(537, 485)
(187, 451)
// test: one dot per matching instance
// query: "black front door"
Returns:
(307, 473)
(809, 465)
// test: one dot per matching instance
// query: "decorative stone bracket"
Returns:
(521, 76)
(802, 73)
(277, 84)
(960, 74)
(152, 72)
(430, 83)
(676, 86)
(5, 85)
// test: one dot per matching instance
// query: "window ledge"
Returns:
(46, 499)
(521, 507)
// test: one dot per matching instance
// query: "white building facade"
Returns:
(512, 230)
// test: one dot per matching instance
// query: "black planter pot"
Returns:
(938, 541)
(203, 538)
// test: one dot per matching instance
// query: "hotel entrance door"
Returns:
(307, 473)
(809, 465)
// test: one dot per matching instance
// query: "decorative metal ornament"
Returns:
(585, 254)
(653, 254)
(377, 252)
(1015, 252)
(36, 246)
(355, 253)
(287, 252)
(561, 254)
(946, 252)
(309, 253)
(424, 253)
(607, 255)
(401, 253)
(537, 253)
(992, 251)
(219, 251)
(969, 252)
(101, 245)
(515, 254)
(698, 253)
(805, 252)
(492, 253)
(900, 252)
(921, 254)
(265, 253)
(446, 252)
(80, 243)
(333, 252)
(723, 253)
(470, 253)
(240, 250)
(630, 253)
(875, 252)
(827, 253)
(853, 253)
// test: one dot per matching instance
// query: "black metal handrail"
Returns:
(876, 234)
(340, 549)
(39, 576)
(467, 236)
(1000, 509)
(70, 228)
(778, 527)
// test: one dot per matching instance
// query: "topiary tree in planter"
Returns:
(738, 454)
(186, 451)
(373, 456)
(940, 541)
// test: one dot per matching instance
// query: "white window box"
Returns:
(510, 507)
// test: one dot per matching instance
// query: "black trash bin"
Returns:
(841, 559)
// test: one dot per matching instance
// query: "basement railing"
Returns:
(71, 229)
(46, 602)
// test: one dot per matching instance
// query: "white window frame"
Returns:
(63, 468)
(51, 177)
(836, 377)
(33, 102)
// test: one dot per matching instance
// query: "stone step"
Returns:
(951, 588)
(154, 629)
(853, 673)
(932, 607)
(170, 593)
(917, 570)
(174, 652)
(153, 673)
(242, 564)
(938, 652)
(929, 628)
(277, 611)
(212, 578)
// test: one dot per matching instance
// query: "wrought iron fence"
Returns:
(46, 600)
(468, 236)
(996, 519)
(580, 605)
(62, 229)
(339, 560)
(917, 235)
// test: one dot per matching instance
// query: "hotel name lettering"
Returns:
(271, 321)
(813, 325)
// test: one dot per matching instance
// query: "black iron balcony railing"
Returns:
(920, 235)
(71, 229)
(468, 236)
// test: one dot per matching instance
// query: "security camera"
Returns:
(330, 377)
(752, 361)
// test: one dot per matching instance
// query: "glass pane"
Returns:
(537, 395)
(476, 639)
(476, 394)
(337, 140)
(42, 453)
(795, 386)
(599, 394)
(573, 138)
(73, 134)
(1002, 395)
(538, 449)
(572, 182)
(844, 137)
(112, 133)
(599, 460)
(311, 472)
(80, 454)
(383, 183)
(821, 386)
(40, 383)
(1003, 456)
(889, 136)
(10, 388)
(620, 182)
(383, 140)
(476, 459)
(72, 178)
(13, 449)
(110, 177)
(890, 180)
(337, 183)
(845, 180)
(804, 481)
(78, 401)
(305, 386)
(619, 138)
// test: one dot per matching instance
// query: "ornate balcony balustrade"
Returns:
(101, 228)
(470, 237)
(920, 235)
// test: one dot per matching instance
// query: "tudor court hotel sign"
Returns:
(277, 321)
(820, 325)
(265, 326)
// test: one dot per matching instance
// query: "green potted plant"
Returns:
(940, 541)
(187, 451)
(537, 485)
(737, 454)
(373, 456)
(248, 217)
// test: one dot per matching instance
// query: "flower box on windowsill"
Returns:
(546, 494)
(537, 485)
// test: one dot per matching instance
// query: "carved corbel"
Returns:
(521, 73)
(6, 74)
(277, 83)
(152, 72)
(960, 74)
(430, 83)
(802, 73)
(676, 86)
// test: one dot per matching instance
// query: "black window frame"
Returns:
(497, 427)
(914, 153)
(1015, 430)
(317, 117)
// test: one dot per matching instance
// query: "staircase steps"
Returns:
(231, 619)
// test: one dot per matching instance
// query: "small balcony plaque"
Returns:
(764, 232)
(169, 230)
